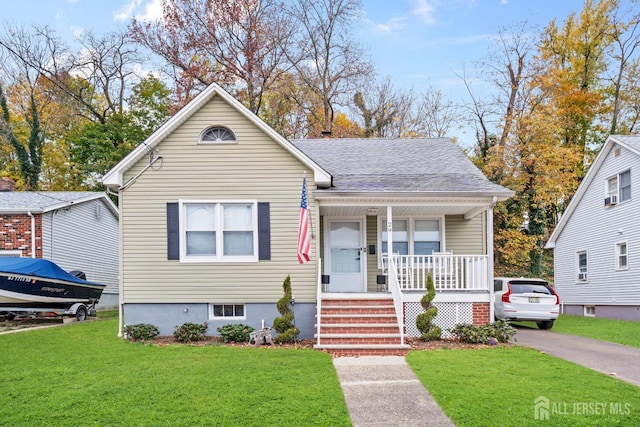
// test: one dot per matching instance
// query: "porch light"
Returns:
(372, 211)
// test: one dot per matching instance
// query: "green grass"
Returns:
(619, 331)
(498, 387)
(83, 374)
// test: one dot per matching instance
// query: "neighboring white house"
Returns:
(597, 241)
(78, 230)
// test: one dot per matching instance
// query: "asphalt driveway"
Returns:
(616, 360)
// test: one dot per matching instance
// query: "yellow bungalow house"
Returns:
(209, 210)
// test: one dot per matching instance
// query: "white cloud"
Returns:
(150, 10)
(425, 11)
(392, 24)
(503, 2)
(77, 32)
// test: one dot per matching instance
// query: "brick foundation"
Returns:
(481, 313)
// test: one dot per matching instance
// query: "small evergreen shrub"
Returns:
(235, 332)
(500, 331)
(141, 332)
(424, 321)
(285, 325)
(190, 332)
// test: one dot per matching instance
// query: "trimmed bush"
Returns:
(235, 332)
(141, 332)
(285, 325)
(189, 332)
(424, 321)
(501, 331)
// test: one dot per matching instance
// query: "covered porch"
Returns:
(375, 260)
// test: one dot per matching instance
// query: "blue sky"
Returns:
(419, 43)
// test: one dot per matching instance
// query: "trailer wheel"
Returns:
(81, 314)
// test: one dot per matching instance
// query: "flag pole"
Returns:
(313, 235)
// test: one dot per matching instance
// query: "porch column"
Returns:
(490, 256)
(389, 234)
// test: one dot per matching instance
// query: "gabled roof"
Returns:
(21, 202)
(427, 166)
(114, 178)
(630, 142)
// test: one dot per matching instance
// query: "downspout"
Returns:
(490, 256)
(33, 234)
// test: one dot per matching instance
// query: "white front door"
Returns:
(345, 255)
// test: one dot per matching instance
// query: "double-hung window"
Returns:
(619, 187)
(581, 261)
(622, 257)
(412, 236)
(218, 231)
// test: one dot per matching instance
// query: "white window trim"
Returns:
(204, 131)
(617, 252)
(11, 252)
(577, 266)
(586, 311)
(219, 257)
(213, 317)
(410, 231)
(615, 194)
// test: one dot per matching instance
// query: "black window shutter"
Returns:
(264, 231)
(173, 231)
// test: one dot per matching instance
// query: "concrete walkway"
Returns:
(616, 360)
(384, 391)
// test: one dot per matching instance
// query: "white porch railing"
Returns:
(449, 272)
(397, 299)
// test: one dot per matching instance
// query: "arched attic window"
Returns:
(217, 134)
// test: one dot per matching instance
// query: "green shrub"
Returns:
(235, 332)
(501, 331)
(141, 332)
(189, 332)
(424, 321)
(285, 325)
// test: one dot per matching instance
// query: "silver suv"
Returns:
(523, 299)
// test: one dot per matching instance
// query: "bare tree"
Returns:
(384, 111)
(239, 44)
(435, 114)
(328, 60)
(626, 39)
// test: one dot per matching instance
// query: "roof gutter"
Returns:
(330, 194)
(33, 234)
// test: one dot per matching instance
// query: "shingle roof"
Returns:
(42, 201)
(398, 165)
(632, 141)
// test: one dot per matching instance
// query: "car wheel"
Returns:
(546, 324)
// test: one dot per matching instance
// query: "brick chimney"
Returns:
(7, 184)
(326, 134)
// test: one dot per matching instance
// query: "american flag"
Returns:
(304, 241)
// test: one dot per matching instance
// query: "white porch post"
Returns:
(490, 256)
(389, 234)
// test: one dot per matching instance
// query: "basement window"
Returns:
(227, 311)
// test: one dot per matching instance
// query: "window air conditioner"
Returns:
(611, 200)
(582, 277)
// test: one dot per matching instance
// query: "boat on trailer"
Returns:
(32, 284)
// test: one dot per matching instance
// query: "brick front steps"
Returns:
(366, 326)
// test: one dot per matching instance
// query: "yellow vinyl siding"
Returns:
(372, 260)
(465, 236)
(254, 168)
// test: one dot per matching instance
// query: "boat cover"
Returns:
(39, 267)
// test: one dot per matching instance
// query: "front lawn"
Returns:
(619, 331)
(500, 387)
(83, 374)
